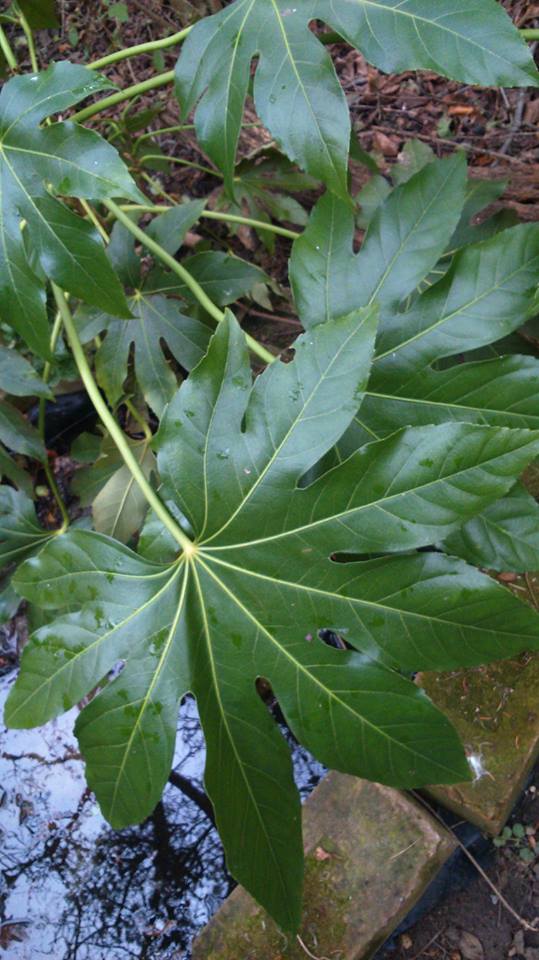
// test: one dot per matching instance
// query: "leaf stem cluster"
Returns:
(183, 275)
(112, 427)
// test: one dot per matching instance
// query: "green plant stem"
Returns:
(156, 187)
(184, 276)
(29, 39)
(5, 47)
(139, 48)
(114, 430)
(51, 479)
(216, 215)
(91, 214)
(249, 222)
(183, 163)
(180, 127)
(176, 128)
(160, 80)
(530, 34)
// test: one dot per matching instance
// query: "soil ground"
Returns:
(473, 924)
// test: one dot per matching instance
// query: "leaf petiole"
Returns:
(182, 162)
(216, 215)
(29, 39)
(5, 47)
(140, 48)
(183, 274)
(153, 83)
(114, 430)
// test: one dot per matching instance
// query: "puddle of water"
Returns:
(72, 888)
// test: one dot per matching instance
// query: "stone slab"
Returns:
(495, 709)
(370, 853)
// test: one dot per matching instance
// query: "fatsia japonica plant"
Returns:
(351, 488)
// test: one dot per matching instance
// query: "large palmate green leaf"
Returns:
(260, 584)
(406, 236)
(296, 91)
(72, 161)
(488, 291)
(485, 292)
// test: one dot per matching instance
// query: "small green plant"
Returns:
(236, 519)
(517, 838)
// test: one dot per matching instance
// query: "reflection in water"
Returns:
(72, 888)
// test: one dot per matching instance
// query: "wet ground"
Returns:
(72, 888)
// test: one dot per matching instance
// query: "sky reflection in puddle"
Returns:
(72, 888)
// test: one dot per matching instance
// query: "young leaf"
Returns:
(263, 186)
(72, 161)
(259, 586)
(504, 537)
(169, 228)
(120, 507)
(296, 91)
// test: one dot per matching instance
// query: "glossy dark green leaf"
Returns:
(71, 161)
(296, 92)
(223, 277)
(123, 256)
(504, 537)
(169, 228)
(406, 236)
(259, 587)
(369, 199)
(479, 194)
